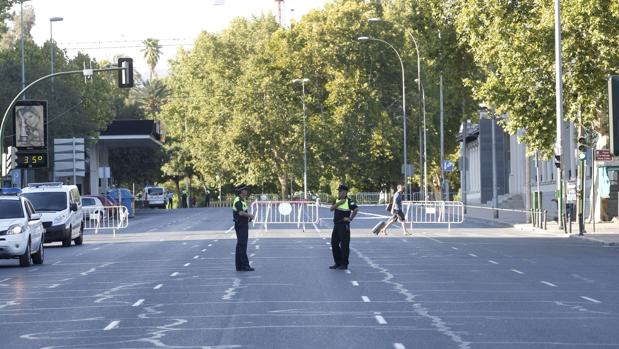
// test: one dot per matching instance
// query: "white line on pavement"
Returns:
(174, 274)
(453, 248)
(493, 262)
(548, 283)
(56, 263)
(209, 245)
(67, 279)
(355, 283)
(229, 230)
(7, 279)
(517, 271)
(35, 269)
(591, 299)
(54, 286)
(196, 257)
(316, 228)
(138, 303)
(204, 250)
(327, 243)
(398, 346)
(111, 326)
(186, 264)
(158, 287)
(472, 255)
(365, 299)
(257, 247)
(381, 320)
(253, 254)
(347, 271)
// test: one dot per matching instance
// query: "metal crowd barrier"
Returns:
(439, 212)
(285, 212)
(106, 218)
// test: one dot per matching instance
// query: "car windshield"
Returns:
(11, 209)
(88, 202)
(155, 191)
(48, 202)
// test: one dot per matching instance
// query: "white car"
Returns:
(61, 211)
(155, 196)
(21, 231)
(92, 206)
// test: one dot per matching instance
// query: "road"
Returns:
(168, 281)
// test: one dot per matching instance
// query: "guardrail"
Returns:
(285, 212)
(106, 218)
(434, 212)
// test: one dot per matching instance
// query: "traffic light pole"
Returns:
(85, 72)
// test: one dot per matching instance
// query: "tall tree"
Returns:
(152, 53)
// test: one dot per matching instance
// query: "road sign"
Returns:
(69, 157)
(571, 191)
(410, 170)
(448, 166)
(603, 155)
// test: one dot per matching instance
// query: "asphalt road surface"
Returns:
(168, 281)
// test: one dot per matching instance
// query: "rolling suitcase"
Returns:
(378, 227)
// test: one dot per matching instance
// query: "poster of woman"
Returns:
(30, 124)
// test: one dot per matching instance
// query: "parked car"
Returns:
(61, 211)
(155, 196)
(100, 203)
(21, 230)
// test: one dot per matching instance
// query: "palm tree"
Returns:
(150, 96)
(152, 53)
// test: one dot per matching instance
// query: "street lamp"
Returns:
(368, 38)
(51, 44)
(422, 110)
(303, 81)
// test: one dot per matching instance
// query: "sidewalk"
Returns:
(606, 233)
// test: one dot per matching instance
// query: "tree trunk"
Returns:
(283, 183)
(177, 182)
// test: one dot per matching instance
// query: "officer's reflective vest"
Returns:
(235, 214)
(344, 206)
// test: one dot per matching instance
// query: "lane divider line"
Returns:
(355, 283)
(453, 248)
(158, 287)
(347, 271)
(381, 320)
(517, 271)
(174, 274)
(196, 257)
(592, 300)
(186, 264)
(472, 255)
(54, 286)
(138, 303)
(112, 325)
(493, 262)
(548, 283)
(365, 299)
(398, 346)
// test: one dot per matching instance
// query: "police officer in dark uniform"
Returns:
(344, 210)
(241, 227)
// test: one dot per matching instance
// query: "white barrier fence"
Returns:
(285, 212)
(106, 218)
(434, 212)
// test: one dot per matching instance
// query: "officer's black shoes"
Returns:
(245, 269)
(342, 267)
(334, 266)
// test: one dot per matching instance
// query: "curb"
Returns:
(600, 241)
(489, 221)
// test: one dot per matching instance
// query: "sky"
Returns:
(107, 28)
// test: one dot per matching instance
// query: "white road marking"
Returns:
(196, 257)
(204, 250)
(347, 271)
(493, 262)
(453, 248)
(381, 320)
(67, 279)
(35, 269)
(517, 271)
(174, 274)
(398, 346)
(209, 245)
(355, 283)
(229, 230)
(591, 299)
(257, 247)
(138, 303)
(253, 254)
(316, 228)
(365, 299)
(158, 287)
(327, 243)
(186, 264)
(3, 280)
(111, 326)
(472, 255)
(54, 286)
(548, 283)
(56, 263)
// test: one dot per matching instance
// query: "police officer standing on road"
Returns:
(344, 210)
(241, 227)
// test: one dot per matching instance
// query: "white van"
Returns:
(155, 196)
(61, 211)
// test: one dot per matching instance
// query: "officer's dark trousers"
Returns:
(340, 243)
(242, 233)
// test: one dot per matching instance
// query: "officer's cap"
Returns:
(241, 187)
(342, 187)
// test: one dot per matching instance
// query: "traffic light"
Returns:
(613, 113)
(582, 148)
(557, 161)
(125, 75)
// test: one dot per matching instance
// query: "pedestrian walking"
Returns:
(344, 211)
(397, 212)
(241, 227)
(170, 197)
